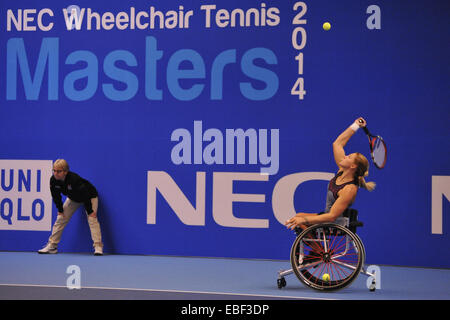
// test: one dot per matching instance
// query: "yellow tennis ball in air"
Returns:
(326, 277)
(326, 26)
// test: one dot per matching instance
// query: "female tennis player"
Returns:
(343, 188)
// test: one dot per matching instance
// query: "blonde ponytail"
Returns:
(362, 171)
(370, 186)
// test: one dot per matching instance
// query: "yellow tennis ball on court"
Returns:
(326, 277)
(326, 26)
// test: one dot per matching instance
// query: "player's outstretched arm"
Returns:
(342, 139)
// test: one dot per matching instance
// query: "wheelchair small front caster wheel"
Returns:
(281, 283)
(373, 286)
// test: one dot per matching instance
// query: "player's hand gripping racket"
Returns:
(378, 150)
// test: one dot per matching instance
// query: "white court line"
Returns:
(169, 291)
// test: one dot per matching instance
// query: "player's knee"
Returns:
(92, 219)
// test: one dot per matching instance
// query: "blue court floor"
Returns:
(28, 275)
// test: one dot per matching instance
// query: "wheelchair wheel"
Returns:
(327, 256)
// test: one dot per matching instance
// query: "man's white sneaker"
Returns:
(98, 251)
(49, 248)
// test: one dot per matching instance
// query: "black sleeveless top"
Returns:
(333, 190)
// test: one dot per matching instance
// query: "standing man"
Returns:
(79, 192)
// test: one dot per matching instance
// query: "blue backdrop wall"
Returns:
(204, 125)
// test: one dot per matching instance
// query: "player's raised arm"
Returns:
(342, 139)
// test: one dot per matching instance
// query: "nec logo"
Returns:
(223, 197)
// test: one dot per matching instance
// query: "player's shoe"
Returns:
(49, 248)
(98, 251)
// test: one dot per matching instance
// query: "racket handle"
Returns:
(364, 128)
(366, 131)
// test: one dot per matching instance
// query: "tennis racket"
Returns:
(378, 150)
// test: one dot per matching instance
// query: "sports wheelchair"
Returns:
(328, 256)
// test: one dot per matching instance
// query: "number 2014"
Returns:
(299, 85)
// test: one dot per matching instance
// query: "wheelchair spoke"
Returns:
(317, 271)
(313, 242)
(340, 263)
(309, 265)
(339, 274)
(342, 272)
(332, 242)
(339, 245)
(350, 259)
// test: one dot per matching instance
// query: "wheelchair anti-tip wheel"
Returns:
(327, 256)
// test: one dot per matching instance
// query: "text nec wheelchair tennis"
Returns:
(329, 248)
